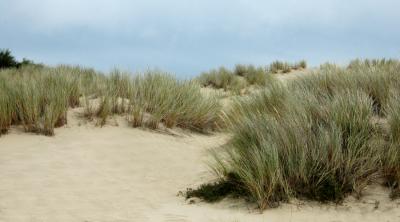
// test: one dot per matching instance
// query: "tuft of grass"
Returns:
(221, 78)
(160, 98)
(314, 137)
(301, 65)
(392, 161)
(284, 152)
(119, 89)
(55, 103)
(42, 104)
(38, 98)
(6, 106)
(285, 67)
(236, 80)
(104, 110)
(28, 105)
(253, 75)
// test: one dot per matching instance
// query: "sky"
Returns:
(186, 37)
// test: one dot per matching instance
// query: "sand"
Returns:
(119, 174)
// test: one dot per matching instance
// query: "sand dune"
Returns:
(117, 173)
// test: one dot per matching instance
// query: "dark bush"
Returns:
(7, 60)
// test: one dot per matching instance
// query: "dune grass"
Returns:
(234, 80)
(285, 67)
(160, 98)
(322, 136)
(38, 98)
(253, 75)
(6, 106)
(315, 137)
(156, 99)
(222, 78)
(243, 76)
(392, 166)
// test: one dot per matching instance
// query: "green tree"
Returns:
(7, 60)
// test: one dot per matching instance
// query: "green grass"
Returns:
(155, 99)
(253, 75)
(6, 106)
(243, 76)
(221, 78)
(315, 137)
(392, 169)
(38, 98)
(285, 67)
(160, 98)
(321, 136)
(234, 80)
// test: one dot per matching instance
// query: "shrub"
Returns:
(7, 60)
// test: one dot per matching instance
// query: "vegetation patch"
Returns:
(7, 60)
(285, 67)
(315, 137)
(243, 76)
(38, 98)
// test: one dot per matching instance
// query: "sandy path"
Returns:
(120, 174)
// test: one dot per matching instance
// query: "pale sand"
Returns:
(294, 74)
(117, 174)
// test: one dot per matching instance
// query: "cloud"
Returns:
(98, 12)
(193, 35)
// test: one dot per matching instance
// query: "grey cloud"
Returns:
(187, 37)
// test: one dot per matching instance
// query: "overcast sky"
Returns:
(189, 36)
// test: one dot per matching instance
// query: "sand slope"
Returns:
(117, 173)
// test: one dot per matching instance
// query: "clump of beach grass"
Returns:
(253, 75)
(42, 103)
(285, 67)
(6, 106)
(38, 97)
(392, 166)
(158, 97)
(314, 137)
(221, 78)
(243, 76)
(234, 80)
